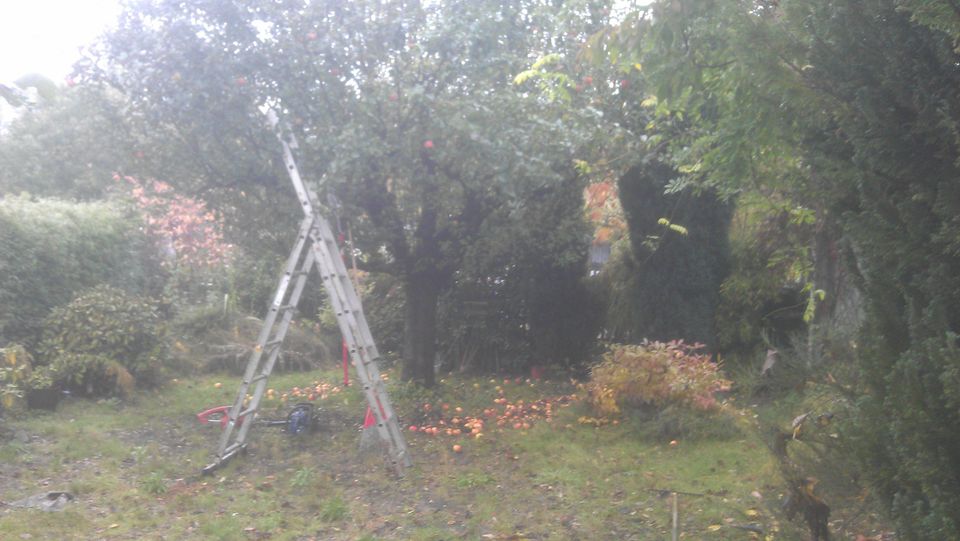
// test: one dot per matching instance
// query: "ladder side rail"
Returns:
(346, 304)
(352, 298)
(337, 284)
(330, 275)
(289, 142)
(320, 234)
(324, 236)
(280, 335)
(349, 326)
(362, 348)
(388, 424)
(347, 293)
(265, 332)
(303, 195)
(365, 355)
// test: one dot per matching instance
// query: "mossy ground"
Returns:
(134, 468)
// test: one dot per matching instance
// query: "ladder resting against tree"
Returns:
(315, 246)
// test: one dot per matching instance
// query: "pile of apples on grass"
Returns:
(319, 390)
(452, 421)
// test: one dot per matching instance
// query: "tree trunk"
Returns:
(420, 329)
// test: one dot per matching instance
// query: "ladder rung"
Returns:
(365, 362)
(246, 412)
(255, 379)
(285, 307)
(230, 451)
(272, 344)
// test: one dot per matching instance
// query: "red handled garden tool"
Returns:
(302, 419)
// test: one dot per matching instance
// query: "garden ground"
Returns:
(134, 469)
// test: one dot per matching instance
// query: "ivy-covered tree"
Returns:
(404, 110)
(679, 256)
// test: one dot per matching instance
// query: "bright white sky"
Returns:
(44, 36)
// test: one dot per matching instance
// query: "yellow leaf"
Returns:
(638, 66)
(649, 102)
(714, 527)
(752, 513)
(524, 76)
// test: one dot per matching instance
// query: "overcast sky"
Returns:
(44, 36)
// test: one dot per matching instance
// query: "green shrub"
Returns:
(102, 334)
(681, 423)
(154, 484)
(333, 509)
(91, 375)
(16, 366)
(53, 249)
(654, 374)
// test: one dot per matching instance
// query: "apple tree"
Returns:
(406, 111)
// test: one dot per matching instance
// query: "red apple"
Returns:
(428, 144)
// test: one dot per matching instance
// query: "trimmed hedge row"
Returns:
(51, 249)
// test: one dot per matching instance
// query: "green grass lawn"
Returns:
(134, 469)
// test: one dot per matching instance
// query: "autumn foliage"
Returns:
(603, 210)
(188, 232)
(656, 374)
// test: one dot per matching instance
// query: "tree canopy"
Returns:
(404, 111)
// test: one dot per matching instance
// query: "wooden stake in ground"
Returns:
(676, 525)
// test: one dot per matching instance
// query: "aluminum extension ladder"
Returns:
(315, 246)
